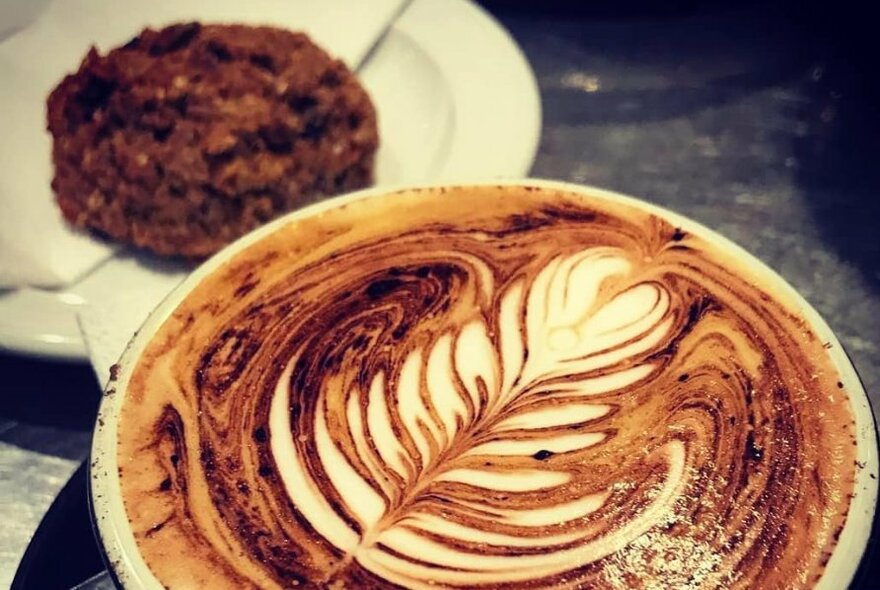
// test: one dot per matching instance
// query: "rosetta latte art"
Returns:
(466, 416)
(559, 393)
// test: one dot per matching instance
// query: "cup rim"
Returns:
(114, 532)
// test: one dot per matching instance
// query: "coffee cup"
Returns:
(531, 383)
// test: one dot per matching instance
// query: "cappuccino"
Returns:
(485, 387)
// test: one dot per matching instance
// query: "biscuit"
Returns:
(187, 137)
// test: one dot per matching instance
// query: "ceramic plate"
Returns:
(455, 102)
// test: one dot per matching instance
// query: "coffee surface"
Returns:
(485, 387)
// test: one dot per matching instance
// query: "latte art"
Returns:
(437, 465)
(552, 392)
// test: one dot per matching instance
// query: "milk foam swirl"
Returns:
(550, 393)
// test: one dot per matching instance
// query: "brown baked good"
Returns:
(187, 137)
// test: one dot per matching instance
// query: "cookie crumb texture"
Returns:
(188, 137)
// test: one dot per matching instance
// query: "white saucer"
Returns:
(456, 99)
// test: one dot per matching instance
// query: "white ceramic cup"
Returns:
(129, 568)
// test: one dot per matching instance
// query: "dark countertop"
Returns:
(757, 126)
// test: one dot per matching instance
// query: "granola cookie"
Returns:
(187, 137)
